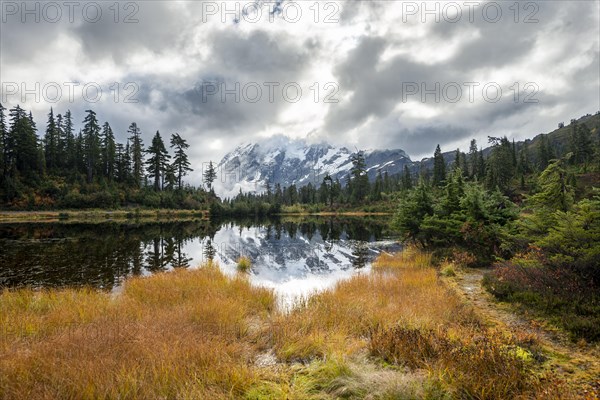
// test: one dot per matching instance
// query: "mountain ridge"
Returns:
(285, 161)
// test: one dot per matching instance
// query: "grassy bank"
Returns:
(395, 333)
(99, 215)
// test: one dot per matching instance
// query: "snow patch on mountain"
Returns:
(285, 161)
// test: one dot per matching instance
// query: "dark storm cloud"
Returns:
(259, 55)
(239, 63)
(172, 96)
(377, 86)
(154, 26)
(485, 50)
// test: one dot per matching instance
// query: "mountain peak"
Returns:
(282, 160)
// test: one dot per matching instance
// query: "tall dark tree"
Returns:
(581, 144)
(210, 175)
(109, 152)
(359, 181)
(91, 139)
(4, 145)
(439, 167)
(407, 183)
(158, 161)
(24, 140)
(545, 152)
(500, 167)
(180, 160)
(70, 143)
(377, 187)
(51, 149)
(326, 190)
(473, 159)
(137, 153)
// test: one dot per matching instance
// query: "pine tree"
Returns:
(359, 181)
(158, 161)
(137, 154)
(109, 152)
(80, 153)
(70, 145)
(24, 140)
(326, 190)
(456, 164)
(377, 187)
(480, 165)
(91, 139)
(180, 161)
(500, 166)
(61, 142)
(170, 177)
(4, 145)
(581, 145)
(51, 143)
(406, 179)
(545, 153)
(210, 175)
(555, 191)
(439, 167)
(473, 160)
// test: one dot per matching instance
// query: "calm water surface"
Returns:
(294, 257)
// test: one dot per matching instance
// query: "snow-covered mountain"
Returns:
(285, 161)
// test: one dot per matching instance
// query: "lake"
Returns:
(294, 256)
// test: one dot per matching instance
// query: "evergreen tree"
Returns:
(91, 139)
(480, 165)
(500, 166)
(158, 161)
(210, 175)
(473, 160)
(109, 152)
(180, 161)
(326, 190)
(413, 209)
(61, 143)
(70, 145)
(581, 144)
(4, 145)
(24, 140)
(360, 181)
(377, 187)
(80, 153)
(439, 167)
(545, 153)
(555, 191)
(406, 179)
(170, 177)
(456, 164)
(51, 143)
(137, 154)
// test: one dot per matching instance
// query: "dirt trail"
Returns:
(576, 363)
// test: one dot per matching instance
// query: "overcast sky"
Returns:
(371, 74)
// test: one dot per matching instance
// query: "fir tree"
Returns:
(91, 139)
(180, 160)
(51, 149)
(137, 153)
(210, 175)
(439, 167)
(158, 161)
(109, 152)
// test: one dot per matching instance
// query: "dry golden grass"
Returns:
(397, 332)
(174, 335)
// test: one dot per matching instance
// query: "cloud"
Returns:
(371, 50)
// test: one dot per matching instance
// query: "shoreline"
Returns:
(401, 331)
(100, 215)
